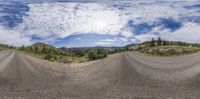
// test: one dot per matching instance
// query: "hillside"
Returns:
(63, 54)
(166, 48)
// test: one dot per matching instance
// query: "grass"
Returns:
(2, 48)
(59, 58)
(170, 50)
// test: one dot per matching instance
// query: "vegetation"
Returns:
(5, 46)
(152, 43)
(96, 54)
(167, 48)
(65, 55)
(157, 47)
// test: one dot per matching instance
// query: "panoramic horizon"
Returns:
(100, 49)
(86, 23)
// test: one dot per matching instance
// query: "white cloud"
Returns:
(102, 43)
(78, 38)
(190, 32)
(50, 21)
(108, 40)
(142, 11)
(58, 20)
(146, 37)
(12, 37)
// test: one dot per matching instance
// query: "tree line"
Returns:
(160, 42)
(6, 46)
(53, 54)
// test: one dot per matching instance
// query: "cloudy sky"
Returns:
(77, 23)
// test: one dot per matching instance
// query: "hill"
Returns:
(42, 48)
(165, 48)
(63, 54)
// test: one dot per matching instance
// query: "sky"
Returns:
(81, 23)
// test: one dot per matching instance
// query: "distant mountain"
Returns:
(130, 45)
(83, 50)
(109, 48)
(79, 51)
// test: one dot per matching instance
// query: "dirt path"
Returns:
(120, 76)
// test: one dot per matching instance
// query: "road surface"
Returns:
(127, 75)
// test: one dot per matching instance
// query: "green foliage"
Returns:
(152, 43)
(5, 46)
(50, 57)
(167, 50)
(54, 54)
(96, 54)
(159, 41)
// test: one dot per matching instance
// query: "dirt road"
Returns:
(122, 76)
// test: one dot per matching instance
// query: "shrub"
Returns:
(50, 57)
(171, 52)
(96, 54)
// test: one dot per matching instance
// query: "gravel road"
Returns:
(127, 75)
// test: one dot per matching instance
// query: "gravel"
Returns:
(127, 75)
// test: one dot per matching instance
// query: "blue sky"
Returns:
(79, 23)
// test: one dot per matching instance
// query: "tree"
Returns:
(91, 55)
(152, 42)
(30, 49)
(96, 54)
(22, 48)
(43, 50)
(159, 41)
(170, 43)
(164, 42)
(36, 50)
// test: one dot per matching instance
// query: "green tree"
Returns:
(44, 50)
(96, 54)
(152, 43)
(164, 42)
(22, 48)
(159, 41)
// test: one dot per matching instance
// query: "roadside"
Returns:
(48, 52)
(166, 48)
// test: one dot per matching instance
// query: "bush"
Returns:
(50, 57)
(96, 54)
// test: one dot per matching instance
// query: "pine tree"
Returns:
(164, 42)
(170, 43)
(22, 48)
(159, 41)
(152, 42)
(43, 50)
(36, 49)
(30, 49)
